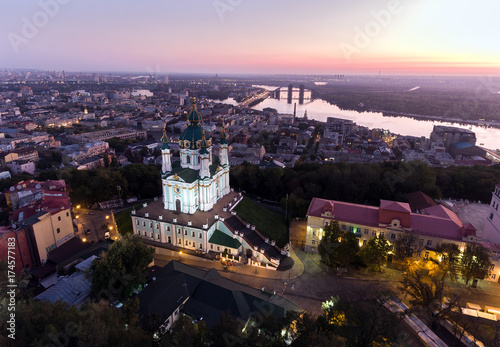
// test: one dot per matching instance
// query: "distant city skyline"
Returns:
(425, 37)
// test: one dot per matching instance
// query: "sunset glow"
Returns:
(393, 37)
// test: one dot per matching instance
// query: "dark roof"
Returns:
(419, 201)
(210, 295)
(68, 249)
(252, 237)
(222, 239)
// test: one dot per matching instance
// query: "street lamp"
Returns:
(107, 217)
(180, 256)
(77, 206)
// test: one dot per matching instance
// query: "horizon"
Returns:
(396, 37)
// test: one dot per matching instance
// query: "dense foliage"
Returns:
(363, 183)
(117, 273)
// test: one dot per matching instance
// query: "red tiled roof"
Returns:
(345, 211)
(437, 222)
(395, 206)
(418, 201)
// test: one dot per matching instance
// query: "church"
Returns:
(199, 179)
(196, 209)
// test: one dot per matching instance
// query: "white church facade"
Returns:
(196, 209)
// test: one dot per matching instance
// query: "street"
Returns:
(98, 222)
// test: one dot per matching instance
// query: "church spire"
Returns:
(223, 135)
(164, 138)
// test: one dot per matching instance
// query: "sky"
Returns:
(424, 37)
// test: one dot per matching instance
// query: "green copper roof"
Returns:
(219, 238)
(223, 134)
(194, 115)
(164, 140)
(190, 137)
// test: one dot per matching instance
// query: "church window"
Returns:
(187, 242)
(137, 222)
(152, 235)
(229, 251)
(192, 234)
(201, 245)
(143, 223)
(212, 247)
(150, 224)
(185, 232)
(169, 239)
(178, 230)
(200, 235)
(313, 242)
(157, 236)
(157, 225)
(393, 236)
(180, 242)
(314, 233)
(218, 248)
(168, 229)
(188, 159)
(145, 233)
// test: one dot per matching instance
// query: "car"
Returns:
(91, 212)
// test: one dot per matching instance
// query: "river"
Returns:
(320, 110)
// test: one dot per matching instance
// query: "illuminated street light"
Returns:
(107, 217)
(84, 239)
(77, 206)
(77, 217)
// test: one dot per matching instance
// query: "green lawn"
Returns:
(269, 223)
(124, 221)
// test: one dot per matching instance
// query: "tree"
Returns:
(338, 247)
(375, 252)
(448, 261)
(187, 333)
(427, 291)
(105, 158)
(121, 270)
(474, 263)
(406, 246)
